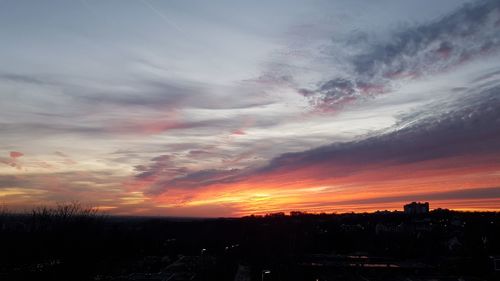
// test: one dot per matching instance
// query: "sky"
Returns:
(232, 108)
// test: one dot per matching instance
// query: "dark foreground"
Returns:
(79, 245)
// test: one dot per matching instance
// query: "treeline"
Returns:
(76, 242)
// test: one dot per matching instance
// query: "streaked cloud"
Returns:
(378, 66)
(233, 108)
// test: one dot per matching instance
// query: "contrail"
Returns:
(162, 15)
(176, 27)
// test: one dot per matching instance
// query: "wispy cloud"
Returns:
(169, 107)
(410, 53)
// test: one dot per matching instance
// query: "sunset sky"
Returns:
(231, 108)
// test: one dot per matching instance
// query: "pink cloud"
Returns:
(238, 132)
(16, 154)
(58, 153)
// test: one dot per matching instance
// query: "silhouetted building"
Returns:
(415, 208)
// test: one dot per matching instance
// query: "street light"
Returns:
(203, 264)
(264, 272)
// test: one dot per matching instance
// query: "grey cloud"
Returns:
(113, 126)
(86, 187)
(197, 179)
(132, 92)
(164, 174)
(10, 162)
(199, 153)
(165, 94)
(487, 76)
(47, 182)
(7, 181)
(458, 194)
(40, 129)
(459, 36)
(22, 78)
(160, 166)
(334, 92)
(469, 126)
(151, 93)
(468, 33)
(203, 177)
(472, 126)
(110, 105)
(61, 154)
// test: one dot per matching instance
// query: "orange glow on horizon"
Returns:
(378, 188)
